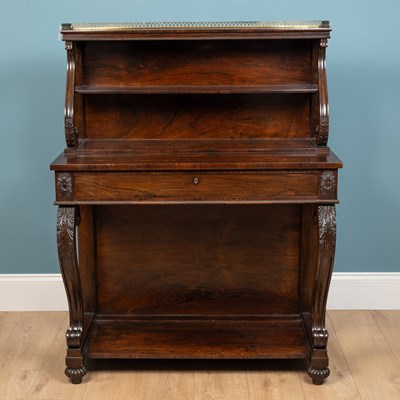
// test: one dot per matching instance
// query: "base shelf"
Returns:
(198, 339)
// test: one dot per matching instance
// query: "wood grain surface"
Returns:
(198, 184)
(195, 186)
(197, 116)
(220, 259)
(197, 62)
(197, 339)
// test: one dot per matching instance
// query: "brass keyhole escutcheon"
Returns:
(195, 181)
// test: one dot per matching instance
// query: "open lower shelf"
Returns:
(197, 89)
(198, 339)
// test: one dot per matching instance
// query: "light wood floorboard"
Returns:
(364, 350)
(220, 384)
(8, 323)
(275, 380)
(372, 364)
(389, 324)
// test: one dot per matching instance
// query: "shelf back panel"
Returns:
(198, 259)
(206, 62)
(204, 116)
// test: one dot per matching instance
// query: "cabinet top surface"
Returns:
(76, 30)
(198, 25)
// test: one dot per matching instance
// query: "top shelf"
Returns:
(267, 25)
(196, 89)
(195, 30)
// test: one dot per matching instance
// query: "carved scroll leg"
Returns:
(318, 369)
(67, 219)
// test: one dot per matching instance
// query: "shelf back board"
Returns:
(165, 62)
(197, 117)
(219, 259)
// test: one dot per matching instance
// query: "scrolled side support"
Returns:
(326, 218)
(67, 220)
(323, 126)
(71, 133)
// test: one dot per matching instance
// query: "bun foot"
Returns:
(318, 375)
(76, 374)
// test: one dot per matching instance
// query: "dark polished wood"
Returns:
(252, 62)
(190, 155)
(67, 219)
(197, 192)
(133, 187)
(216, 264)
(196, 89)
(246, 339)
(326, 216)
(71, 132)
(174, 117)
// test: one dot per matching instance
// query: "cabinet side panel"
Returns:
(202, 116)
(198, 260)
(206, 62)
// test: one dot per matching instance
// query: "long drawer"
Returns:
(131, 187)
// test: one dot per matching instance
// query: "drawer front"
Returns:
(161, 187)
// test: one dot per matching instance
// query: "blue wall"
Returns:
(364, 81)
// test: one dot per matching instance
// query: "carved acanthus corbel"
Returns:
(67, 218)
(323, 126)
(71, 133)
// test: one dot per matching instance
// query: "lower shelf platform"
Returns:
(198, 339)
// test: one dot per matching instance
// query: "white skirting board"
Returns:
(349, 291)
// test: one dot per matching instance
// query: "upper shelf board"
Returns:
(193, 30)
(189, 89)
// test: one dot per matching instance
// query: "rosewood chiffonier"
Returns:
(196, 193)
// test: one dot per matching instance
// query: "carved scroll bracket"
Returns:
(71, 133)
(327, 230)
(66, 244)
(65, 231)
(326, 219)
(323, 126)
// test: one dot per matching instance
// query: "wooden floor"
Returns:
(364, 348)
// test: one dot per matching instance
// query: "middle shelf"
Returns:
(167, 155)
(197, 89)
